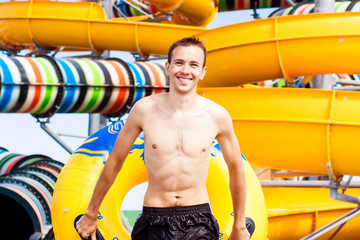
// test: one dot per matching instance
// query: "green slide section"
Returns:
(131, 216)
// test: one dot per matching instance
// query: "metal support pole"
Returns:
(338, 222)
(108, 6)
(291, 173)
(98, 121)
(305, 184)
(56, 137)
(261, 171)
(347, 88)
(328, 80)
(324, 6)
(335, 185)
(334, 194)
(336, 231)
(348, 82)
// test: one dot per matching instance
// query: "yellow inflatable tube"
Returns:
(77, 180)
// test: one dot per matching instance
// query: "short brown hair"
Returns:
(185, 42)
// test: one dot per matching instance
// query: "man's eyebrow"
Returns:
(182, 60)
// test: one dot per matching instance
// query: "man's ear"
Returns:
(167, 65)
(203, 73)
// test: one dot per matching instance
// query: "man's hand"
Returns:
(86, 227)
(239, 233)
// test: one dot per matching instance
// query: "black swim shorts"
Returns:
(176, 223)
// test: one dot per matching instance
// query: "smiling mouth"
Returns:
(184, 80)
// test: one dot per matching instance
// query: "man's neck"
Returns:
(182, 102)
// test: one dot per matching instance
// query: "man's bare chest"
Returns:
(190, 137)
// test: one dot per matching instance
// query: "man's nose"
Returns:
(185, 68)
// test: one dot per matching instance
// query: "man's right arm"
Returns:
(87, 225)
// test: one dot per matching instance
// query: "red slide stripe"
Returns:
(121, 97)
(38, 79)
(157, 78)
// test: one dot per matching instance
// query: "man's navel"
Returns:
(178, 200)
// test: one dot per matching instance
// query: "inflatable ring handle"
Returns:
(250, 225)
(98, 234)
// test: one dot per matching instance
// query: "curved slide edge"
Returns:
(78, 178)
(42, 24)
(294, 213)
(195, 12)
(306, 8)
(288, 46)
(26, 188)
(295, 129)
(252, 51)
(184, 12)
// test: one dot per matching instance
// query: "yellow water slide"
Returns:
(84, 26)
(295, 129)
(288, 46)
(189, 12)
(252, 51)
(295, 212)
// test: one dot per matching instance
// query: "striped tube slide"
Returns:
(309, 7)
(230, 5)
(30, 85)
(149, 79)
(44, 86)
(26, 188)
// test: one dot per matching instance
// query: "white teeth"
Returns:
(183, 79)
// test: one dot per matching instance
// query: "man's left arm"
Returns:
(232, 156)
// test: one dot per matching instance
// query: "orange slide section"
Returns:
(83, 26)
(295, 129)
(294, 213)
(252, 51)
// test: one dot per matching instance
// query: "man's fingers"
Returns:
(84, 236)
(93, 236)
(77, 225)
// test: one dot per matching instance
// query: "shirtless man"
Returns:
(179, 129)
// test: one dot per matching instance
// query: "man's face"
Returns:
(185, 68)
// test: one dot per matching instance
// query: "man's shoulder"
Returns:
(217, 112)
(143, 108)
(147, 102)
(220, 116)
(146, 105)
(213, 107)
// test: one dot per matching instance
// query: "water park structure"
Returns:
(308, 132)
